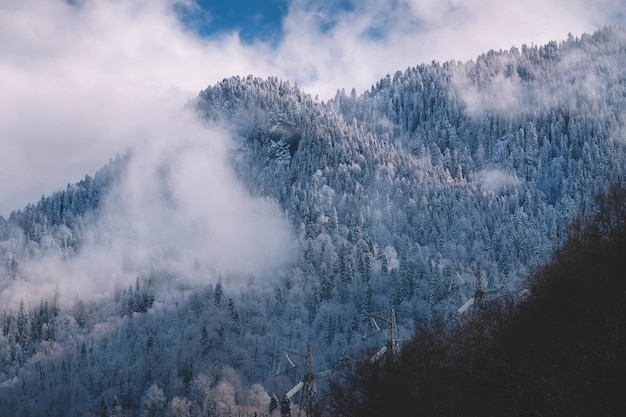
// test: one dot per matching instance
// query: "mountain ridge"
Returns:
(492, 152)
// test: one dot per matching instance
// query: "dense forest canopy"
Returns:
(124, 295)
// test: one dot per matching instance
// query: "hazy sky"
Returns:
(83, 80)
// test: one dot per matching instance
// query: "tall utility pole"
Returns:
(307, 384)
(479, 294)
(393, 342)
(309, 381)
(393, 339)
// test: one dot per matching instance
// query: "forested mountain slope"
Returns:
(392, 198)
(438, 167)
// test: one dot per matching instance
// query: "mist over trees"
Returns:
(392, 197)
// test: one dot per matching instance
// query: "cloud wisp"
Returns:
(181, 205)
(496, 180)
(511, 83)
(325, 48)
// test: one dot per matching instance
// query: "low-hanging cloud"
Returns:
(496, 180)
(511, 84)
(326, 49)
(180, 204)
(83, 81)
(82, 78)
(178, 209)
(503, 95)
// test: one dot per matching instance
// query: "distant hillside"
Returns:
(77, 203)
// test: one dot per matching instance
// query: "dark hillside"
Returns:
(560, 351)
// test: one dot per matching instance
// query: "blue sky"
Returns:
(253, 19)
(84, 80)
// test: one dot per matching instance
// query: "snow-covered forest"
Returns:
(121, 296)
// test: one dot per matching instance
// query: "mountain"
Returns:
(393, 199)
(445, 165)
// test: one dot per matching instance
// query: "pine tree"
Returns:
(24, 334)
(273, 406)
(56, 308)
(217, 294)
(285, 407)
(205, 342)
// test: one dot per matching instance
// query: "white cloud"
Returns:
(82, 82)
(502, 94)
(181, 205)
(572, 80)
(177, 209)
(325, 51)
(496, 180)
